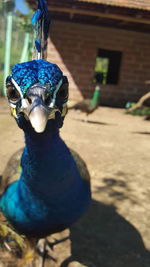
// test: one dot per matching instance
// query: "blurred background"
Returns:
(16, 36)
(86, 37)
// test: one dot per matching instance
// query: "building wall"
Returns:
(74, 48)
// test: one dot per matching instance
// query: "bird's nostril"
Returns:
(29, 100)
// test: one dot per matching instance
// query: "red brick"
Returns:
(74, 48)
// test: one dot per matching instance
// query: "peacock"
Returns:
(46, 187)
(88, 106)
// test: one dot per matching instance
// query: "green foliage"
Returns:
(21, 25)
(1, 80)
(8, 5)
(24, 22)
(102, 66)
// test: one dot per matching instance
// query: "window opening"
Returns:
(108, 63)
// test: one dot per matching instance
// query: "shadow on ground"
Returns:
(93, 122)
(147, 133)
(104, 238)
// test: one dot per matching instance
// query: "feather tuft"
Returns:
(38, 45)
(37, 16)
(41, 22)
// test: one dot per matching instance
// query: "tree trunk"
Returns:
(140, 103)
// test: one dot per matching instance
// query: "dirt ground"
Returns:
(115, 232)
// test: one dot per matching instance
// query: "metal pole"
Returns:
(9, 19)
(24, 55)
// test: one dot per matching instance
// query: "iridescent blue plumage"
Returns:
(50, 194)
(37, 15)
(41, 21)
(42, 11)
(31, 72)
(38, 45)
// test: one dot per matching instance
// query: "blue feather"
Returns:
(44, 7)
(38, 45)
(50, 194)
(37, 16)
(42, 13)
(28, 73)
(41, 21)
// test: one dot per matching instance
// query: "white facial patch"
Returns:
(52, 104)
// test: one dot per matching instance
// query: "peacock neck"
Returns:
(45, 157)
(96, 95)
(41, 141)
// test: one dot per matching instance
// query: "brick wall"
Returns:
(74, 48)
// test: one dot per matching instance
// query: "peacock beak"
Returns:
(36, 108)
(38, 118)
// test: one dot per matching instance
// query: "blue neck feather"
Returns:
(50, 194)
(44, 159)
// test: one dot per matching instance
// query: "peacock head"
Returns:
(37, 92)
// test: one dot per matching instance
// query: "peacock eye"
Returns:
(12, 93)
